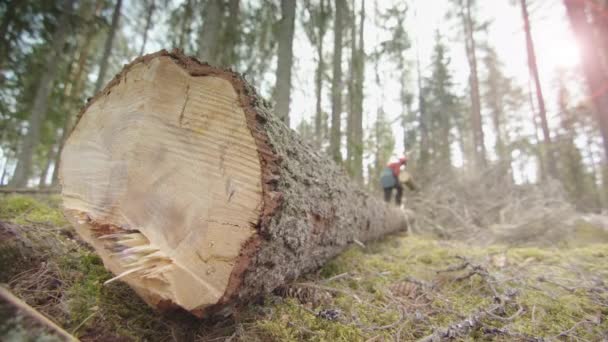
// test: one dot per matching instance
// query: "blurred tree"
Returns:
(441, 106)
(150, 11)
(44, 88)
(579, 183)
(355, 128)
(500, 96)
(336, 85)
(315, 25)
(591, 58)
(285, 59)
(549, 156)
(107, 51)
(181, 19)
(466, 10)
(209, 38)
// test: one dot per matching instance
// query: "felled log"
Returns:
(194, 194)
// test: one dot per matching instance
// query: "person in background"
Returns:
(390, 180)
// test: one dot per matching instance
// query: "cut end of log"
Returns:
(162, 177)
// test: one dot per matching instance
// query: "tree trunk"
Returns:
(336, 85)
(590, 61)
(204, 199)
(476, 120)
(232, 30)
(422, 119)
(4, 171)
(357, 160)
(76, 88)
(319, 80)
(107, 50)
(285, 59)
(5, 38)
(184, 31)
(351, 92)
(147, 27)
(32, 137)
(209, 37)
(550, 158)
(50, 157)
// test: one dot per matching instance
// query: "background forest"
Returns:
(500, 105)
(362, 80)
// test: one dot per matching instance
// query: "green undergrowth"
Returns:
(404, 287)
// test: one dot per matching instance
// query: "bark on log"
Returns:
(197, 196)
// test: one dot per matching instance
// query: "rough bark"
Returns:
(209, 37)
(336, 85)
(32, 137)
(107, 50)
(590, 62)
(285, 59)
(305, 210)
(151, 8)
(551, 168)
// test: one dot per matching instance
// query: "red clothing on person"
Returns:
(395, 167)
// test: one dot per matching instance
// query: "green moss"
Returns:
(290, 322)
(553, 286)
(27, 210)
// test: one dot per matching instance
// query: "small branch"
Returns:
(7, 296)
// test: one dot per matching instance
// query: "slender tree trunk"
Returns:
(594, 73)
(107, 51)
(184, 31)
(422, 118)
(476, 120)
(285, 59)
(32, 137)
(209, 37)
(496, 105)
(357, 160)
(549, 155)
(352, 81)
(50, 158)
(151, 8)
(228, 52)
(4, 171)
(319, 80)
(336, 85)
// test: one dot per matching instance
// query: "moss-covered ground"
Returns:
(402, 288)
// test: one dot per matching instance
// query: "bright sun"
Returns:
(562, 52)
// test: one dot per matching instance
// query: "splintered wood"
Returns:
(198, 197)
(162, 176)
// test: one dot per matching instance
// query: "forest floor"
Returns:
(407, 287)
